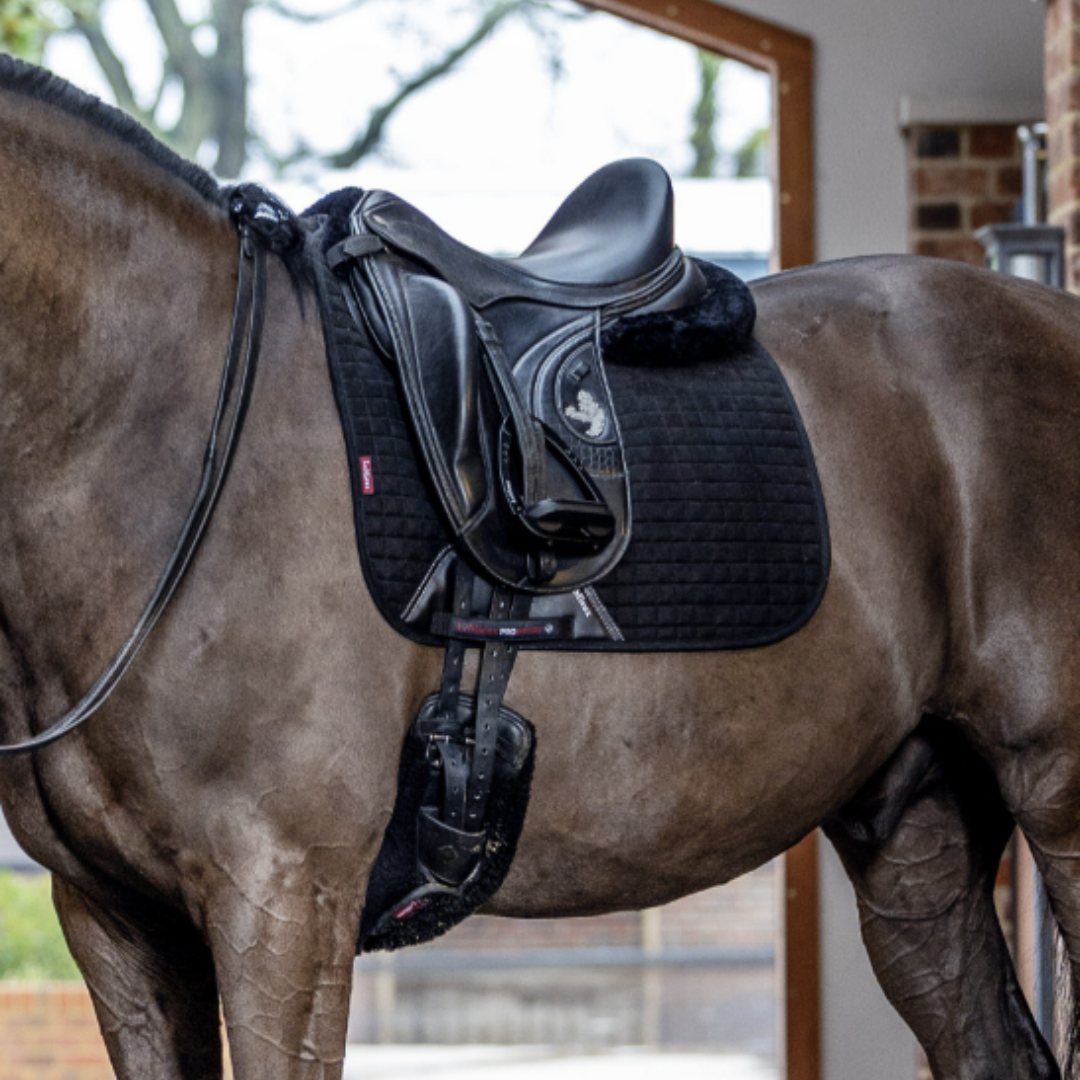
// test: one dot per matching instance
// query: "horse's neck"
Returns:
(114, 314)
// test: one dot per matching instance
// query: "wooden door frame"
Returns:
(789, 59)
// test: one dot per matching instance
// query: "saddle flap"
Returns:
(437, 352)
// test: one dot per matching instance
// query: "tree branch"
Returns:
(184, 58)
(111, 65)
(277, 7)
(372, 136)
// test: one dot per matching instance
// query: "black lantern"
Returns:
(1034, 252)
(1030, 249)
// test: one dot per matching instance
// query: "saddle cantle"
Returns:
(500, 364)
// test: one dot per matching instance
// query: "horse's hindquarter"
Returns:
(665, 773)
(940, 402)
(1004, 390)
(961, 403)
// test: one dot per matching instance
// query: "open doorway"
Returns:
(723, 101)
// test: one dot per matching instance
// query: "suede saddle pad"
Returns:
(729, 546)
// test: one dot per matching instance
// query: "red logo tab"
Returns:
(367, 476)
(410, 909)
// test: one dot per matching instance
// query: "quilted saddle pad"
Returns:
(729, 544)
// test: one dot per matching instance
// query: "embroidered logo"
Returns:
(589, 411)
(367, 476)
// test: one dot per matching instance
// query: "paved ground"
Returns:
(542, 1063)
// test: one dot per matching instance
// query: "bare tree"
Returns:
(214, 84)
(705, 117)
(750, 158)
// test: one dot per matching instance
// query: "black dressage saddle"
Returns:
(499, 361)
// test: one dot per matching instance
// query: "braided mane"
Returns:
(41, 85)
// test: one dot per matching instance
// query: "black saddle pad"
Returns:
(729, 544)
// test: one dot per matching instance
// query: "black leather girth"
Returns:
(462, 742)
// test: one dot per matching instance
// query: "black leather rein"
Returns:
(241, 360)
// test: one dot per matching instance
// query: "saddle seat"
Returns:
(617, 226)
(499, 362)
(607, 240)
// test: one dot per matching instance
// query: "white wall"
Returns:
(863, 1037)
(959, 55)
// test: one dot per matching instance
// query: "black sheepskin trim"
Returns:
(41, 85)
(718, 324)
(396, 874)
(336, 208)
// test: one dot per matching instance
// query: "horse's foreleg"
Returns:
(922, 845)
(151, 978)
(284, 943)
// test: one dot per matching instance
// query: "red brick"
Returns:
(942, 180)
(1064, 186)
(1062, 97)
(993, 141)
(992, 213)
(967, 251)
(1009, 180)
(47, 1032)
(1057, 15)
(1072, 272)
(1072, 228)
(1062, 49)
(1063, 142)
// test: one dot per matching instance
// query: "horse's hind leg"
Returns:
(1045, 789)
(151, 978)
(922, 845)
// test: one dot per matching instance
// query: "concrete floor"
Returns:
(544, 1063)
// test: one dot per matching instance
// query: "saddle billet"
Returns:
(502, 371)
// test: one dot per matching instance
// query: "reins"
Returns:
(234, 396)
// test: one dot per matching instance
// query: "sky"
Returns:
(499, 133)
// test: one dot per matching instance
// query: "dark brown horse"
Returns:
(211, 831)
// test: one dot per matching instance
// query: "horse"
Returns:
(211, 832)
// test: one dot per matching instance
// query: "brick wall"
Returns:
(1063, 116)
(961, 177)
(48, 1031)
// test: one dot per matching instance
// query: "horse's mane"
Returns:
(41, 85)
